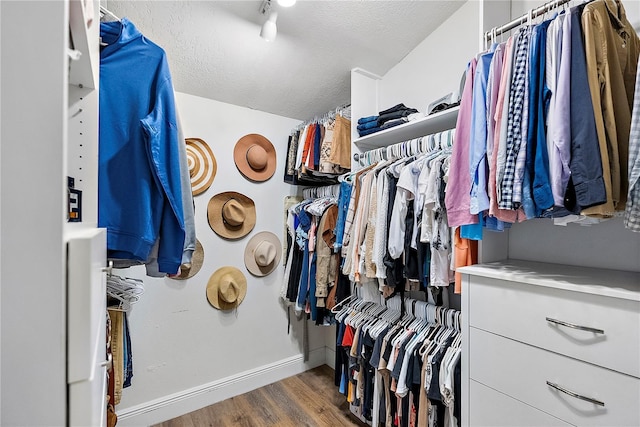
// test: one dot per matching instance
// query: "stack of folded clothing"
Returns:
(385, 119)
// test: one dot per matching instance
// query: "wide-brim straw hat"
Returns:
(255, 157)
(202, 165)
(226, 288)
(191, 269)
(262, 253)
(231, 215)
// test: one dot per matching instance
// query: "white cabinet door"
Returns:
(86, 327)
(533, 375)
(488, 407)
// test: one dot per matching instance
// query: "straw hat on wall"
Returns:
(231, 215)
(226, 288)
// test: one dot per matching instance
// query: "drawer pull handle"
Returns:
(107, 363)
(574, 326)
(576, 395)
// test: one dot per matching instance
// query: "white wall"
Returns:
(434, 68)
(33, 107)
(181, 345)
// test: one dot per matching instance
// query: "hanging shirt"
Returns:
(498, 155)
(586, 162)
(521, 158)
(139, 184)
(559, 130)
(514, 118)
(380, 237)
(459, 185)
(632, 211)
(479, 200)
(612, 48)
(538, 100)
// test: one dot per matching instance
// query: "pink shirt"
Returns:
(457, 197)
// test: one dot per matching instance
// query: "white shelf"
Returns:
(610, 283)
(84, 71)
(427, 125)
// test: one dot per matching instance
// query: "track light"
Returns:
(269, 29)
(286, 3)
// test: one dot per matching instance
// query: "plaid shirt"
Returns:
(632, 210)
(517, 101)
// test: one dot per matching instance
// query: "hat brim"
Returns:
(240, 157)
(202, 165)
(196, 263)
(214, 284)
(217, 223)
(250, 260)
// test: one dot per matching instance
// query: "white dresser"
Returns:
(550, 345)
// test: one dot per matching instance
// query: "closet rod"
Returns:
(108, 13)
(533, 13)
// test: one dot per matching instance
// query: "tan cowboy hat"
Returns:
(191, 269)
(255, 157)
(227, 288)
(202, 165)
(231, 215)
(262, 253)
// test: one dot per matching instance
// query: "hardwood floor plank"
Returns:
(309, 399)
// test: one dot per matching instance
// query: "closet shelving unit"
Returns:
(530, 272)
(86, 244)
(550, 329)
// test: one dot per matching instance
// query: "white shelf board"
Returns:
(610, 283)
(427, 125)
(84, 70)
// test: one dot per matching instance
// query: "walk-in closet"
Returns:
(319, 213)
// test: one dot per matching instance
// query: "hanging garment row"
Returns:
(399, 369)
(413, 147)
(396, 230)
(544, 123)
(319, 150)
(311, 277)
(384, 224)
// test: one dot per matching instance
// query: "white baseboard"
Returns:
(177, 404)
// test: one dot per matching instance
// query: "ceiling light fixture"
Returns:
(269, 29)
(286, 3)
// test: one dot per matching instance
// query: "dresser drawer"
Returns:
(520, 311)
(488, 407)
(522, 371)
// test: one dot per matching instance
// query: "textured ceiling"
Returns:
(215, 51)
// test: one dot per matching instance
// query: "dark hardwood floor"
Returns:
(309, 399)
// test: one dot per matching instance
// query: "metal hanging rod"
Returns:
(106, 12)
(533, 13)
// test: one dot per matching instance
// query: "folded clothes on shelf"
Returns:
(365, 120)
(394, 116)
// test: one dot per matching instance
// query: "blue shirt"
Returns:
(539, 96)
(478, 144)
(139, 191)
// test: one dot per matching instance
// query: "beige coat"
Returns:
(612, 48)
